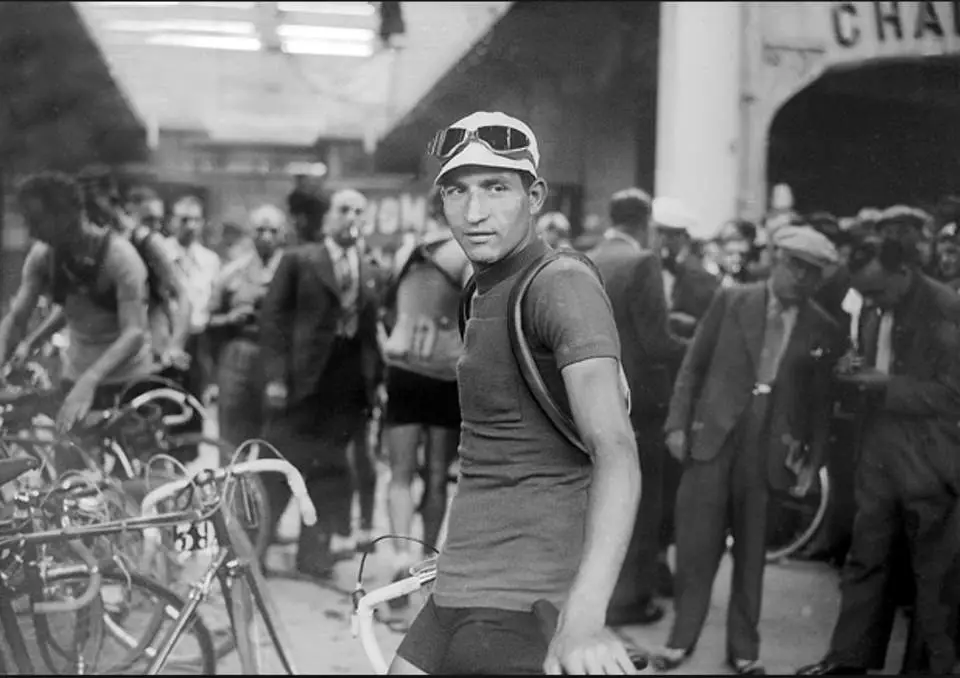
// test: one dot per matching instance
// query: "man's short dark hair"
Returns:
(630, 207)
(56, 191)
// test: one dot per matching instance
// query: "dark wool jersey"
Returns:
(517, 523)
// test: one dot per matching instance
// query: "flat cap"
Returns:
(672, 213)
(909, 216)
(807, 244)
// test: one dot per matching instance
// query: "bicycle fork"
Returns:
(198, 594)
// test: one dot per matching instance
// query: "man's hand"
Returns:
(677, 444)
(276, 394)
(804, 482)
(77, 404)
(585, 647)
(176, 358)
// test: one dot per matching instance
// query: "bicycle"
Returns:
(422, 575)
(235, 565)
(792, 521)
(32, 567)
(100, 442)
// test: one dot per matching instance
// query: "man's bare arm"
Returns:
(54, 322)
(24, 302)
(599, 410)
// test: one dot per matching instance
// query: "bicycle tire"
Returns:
(172, 605)
(806, 534)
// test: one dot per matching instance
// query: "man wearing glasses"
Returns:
(534, 517)
(201, 267)
(749, 413)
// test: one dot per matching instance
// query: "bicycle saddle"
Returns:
(11, 469)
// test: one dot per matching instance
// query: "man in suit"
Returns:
(908, 474)
(689, 289)
(688, 285)
(632, 279)
(749, 413)
(318, 333)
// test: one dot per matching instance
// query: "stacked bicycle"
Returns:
(95, 476)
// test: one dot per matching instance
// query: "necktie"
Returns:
(775, 334)
(884, 343)
(869, 334)
(345, 272)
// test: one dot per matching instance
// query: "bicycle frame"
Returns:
(234, 561)
(34, 575)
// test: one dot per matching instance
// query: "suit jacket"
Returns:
(718, 374)
(633, 281)
(299, 319)
(693, 289)
(919, 411)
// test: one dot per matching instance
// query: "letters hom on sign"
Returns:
(865, 30)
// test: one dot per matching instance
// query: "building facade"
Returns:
(848, 103)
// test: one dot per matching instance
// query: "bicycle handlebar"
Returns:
(364, 606)
(298, 488)
(91, 592)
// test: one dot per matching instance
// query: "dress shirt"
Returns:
(201, 267)
(779, 326)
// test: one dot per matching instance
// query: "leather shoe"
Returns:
(669, 659)
(828, 668)
(747, 667)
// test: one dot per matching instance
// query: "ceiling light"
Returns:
(132, 4)
(189, 25)
(345, 8)
(205, 41)
(324, 32)
(224, 5)
(328, 48)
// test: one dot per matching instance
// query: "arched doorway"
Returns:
(878, 134)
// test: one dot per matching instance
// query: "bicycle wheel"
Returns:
(793, 521)
(135, 615)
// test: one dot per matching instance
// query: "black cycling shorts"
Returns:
(474, 641)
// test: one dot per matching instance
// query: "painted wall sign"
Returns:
(868, 30)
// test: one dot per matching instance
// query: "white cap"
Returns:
(476, 153)
(672, 213)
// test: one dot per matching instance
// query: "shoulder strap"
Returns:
(521, 347)
(524, 355)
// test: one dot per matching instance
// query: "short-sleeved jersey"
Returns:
(517, 523)
(92, 328)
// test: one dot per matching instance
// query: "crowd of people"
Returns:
(719, 365)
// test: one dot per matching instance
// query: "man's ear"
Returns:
(538, 196)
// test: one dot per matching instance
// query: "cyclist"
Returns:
(101, 283)
(533, 518)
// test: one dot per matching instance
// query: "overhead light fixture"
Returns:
(132, 4)
(296, 31)
(205, 41)
(343, 8)
(328, 48)
(186, 25)
(223, 5)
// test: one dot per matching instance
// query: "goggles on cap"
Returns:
(500, 139)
